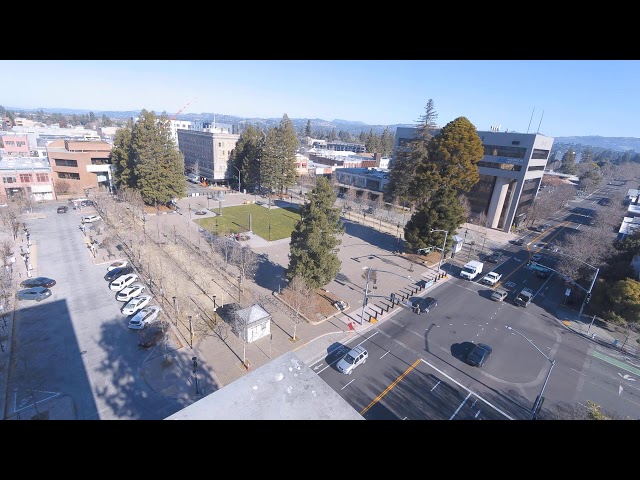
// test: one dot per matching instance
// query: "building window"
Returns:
(10, 143)
(515, 142)
(540, 154)
(500, 151)
(501, 166)
(20, 144)
(68, 175)
(66, 163)
(26, 177)
(9, 179)
(42, 177)
(538, 167)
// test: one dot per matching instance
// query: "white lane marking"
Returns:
(348, 384)
(387, 352)
(405, 418)
(477, 414)
(463, 402)
(340, 358)
(434, 387)
(465, 388)
(620, 390)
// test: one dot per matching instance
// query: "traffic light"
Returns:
(528, 263)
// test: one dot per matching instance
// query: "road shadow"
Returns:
(335, 352)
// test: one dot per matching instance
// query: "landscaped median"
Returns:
(271, 224)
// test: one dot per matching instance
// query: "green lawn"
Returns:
(236, 220)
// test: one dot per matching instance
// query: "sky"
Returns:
(557, 98)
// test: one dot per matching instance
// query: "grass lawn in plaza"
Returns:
(236, 220)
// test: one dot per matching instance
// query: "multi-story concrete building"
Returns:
(372, 179)
(26, 177)
(16, 145)
(510, 173)
(206, 153)
(82, 164)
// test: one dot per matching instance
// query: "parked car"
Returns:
(90, 218)
(38, 282)
(495, 257)
(341, 305)
(123, 281)
(543, 228)
(118, 264)
(201, 212)
(519, 241)
(64, 209)
(354, 357)
(478, 355)
(144, 317)
(118, 272)
(537, 257)
(127, 293)
(499, 294)
(34, 293)
(543, 273)
(135, 304)
(87, 203)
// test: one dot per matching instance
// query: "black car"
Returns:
(495, 257)
(64, 209)
(117, 272)
(479, 355)
(424, 305)
(38, 282)
(543, 273)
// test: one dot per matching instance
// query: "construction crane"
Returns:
(176, 114)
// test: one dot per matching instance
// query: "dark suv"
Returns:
(118, 272)
(63, 209)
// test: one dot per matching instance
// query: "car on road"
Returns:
(118, 264)
(537, 257)
(127, 293)
(38, 282)
(34, 293)
(426, 304)
(144, 317)
(519, 241)
(118, 272)
(123, 281)
(543, 273)
(543, 228)
(495, 257)
(479, 355)
(354, 357)
(135, 304)
(491, 278)
(499, 294)
(63, 209)
(90, 218)
(201, 212)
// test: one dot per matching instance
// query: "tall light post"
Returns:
(593, 281)
(366, 289)
(444, 245)
(239, 181)
(539, 399)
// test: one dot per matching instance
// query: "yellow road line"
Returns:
(388, 389)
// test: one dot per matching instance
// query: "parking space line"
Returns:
(434, 387)
(348, 384)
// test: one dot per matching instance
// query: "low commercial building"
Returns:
(26, 177)
(79, 165)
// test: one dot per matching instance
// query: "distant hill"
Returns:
(619, 144)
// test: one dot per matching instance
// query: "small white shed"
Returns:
(252, 323)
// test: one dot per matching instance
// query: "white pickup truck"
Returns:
(471, 269)
(491, 278)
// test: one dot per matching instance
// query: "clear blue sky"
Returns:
(578, 97)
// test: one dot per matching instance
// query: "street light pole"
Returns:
(195, 376)
(239, 181)
(539, 399)
(589, 291)
(444, 245)
(366, 292)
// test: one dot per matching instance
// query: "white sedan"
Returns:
(118, 264)
(144, 317)
(123, 281)
(127, 293)
(135, 304)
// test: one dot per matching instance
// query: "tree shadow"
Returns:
(370, 235)
(270, 275)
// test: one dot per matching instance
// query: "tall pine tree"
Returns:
(314, 246)
(278, 164)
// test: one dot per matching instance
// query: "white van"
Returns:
(123, 281)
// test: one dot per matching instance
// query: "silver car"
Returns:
(144, 317)
(34, 293)
(354, 357)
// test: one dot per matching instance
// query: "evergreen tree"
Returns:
(569, 162)
(278, 167)
(147, 160)
(122, 158)
(370, 144)
(442, 211)
(307, 130)
(429, 118)
(314, 246)
(247, 154)
(450, 159)
(386, 143)
(362, 138)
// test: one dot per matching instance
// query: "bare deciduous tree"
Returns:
(299, 295)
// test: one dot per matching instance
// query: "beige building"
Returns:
(81, 164)
(206, 154)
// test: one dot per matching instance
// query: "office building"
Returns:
(80, 165)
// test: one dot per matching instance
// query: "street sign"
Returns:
(568, 292)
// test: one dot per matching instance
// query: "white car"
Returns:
(491, 278)
(90, 218)
(123, 281)
(135, 304)
(118, 264)
(127, 293)
(144, 317)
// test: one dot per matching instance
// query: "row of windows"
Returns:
(540, 154)
(538, 167)
(27, 178)
(68, 175)
(11, 143)
(501, 166)
(66, 163)
(500, 151)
